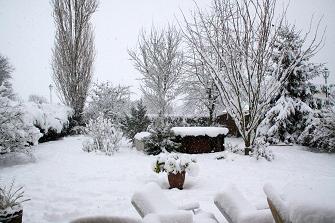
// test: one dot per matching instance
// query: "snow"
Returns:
(66, 183)
(47, 116)
(174, 217)
(199, 131)
(142, 135)
(236, 207)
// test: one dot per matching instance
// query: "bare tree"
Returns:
(160, 61)
(201, 91)
(73, 53)
(242, 35)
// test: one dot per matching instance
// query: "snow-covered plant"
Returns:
(233, 148)
(176, 163)
(235, 40)
(11, 198)
(137, 121)
(111, 101)
(37, 99)
(161, 138)
(160, 61)
(320, 132)
(15, 134)
(48, 118)
(287, 118)
(261, 150)
(105, 136)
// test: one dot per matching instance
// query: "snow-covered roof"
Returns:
(142, 135)
(199, 131)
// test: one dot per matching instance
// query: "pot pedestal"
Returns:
(176, 180)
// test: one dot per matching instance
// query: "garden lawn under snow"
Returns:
(66, 183)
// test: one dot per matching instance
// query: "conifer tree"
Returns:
(136, 121)
(291, 109)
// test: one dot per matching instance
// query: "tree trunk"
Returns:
(247, 144)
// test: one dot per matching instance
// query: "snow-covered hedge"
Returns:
(176, 163)
(104, 136)
(15, 134)
(47, 117)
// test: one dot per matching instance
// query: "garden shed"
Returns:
(200, 139)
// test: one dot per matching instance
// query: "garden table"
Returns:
(311, 203)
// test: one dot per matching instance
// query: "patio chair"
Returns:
(103, 219)
(277, 206)
(236, 209)
(151, 200)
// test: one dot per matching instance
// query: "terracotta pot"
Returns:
(15, 217)
(176, 180)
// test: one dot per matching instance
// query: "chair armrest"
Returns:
(189, 206)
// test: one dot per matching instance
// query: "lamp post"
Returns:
(50, 88)
(325, 76)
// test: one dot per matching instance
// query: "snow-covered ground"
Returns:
(65, 182)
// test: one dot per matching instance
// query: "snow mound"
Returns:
(142, 135)
(151, 199)
(199, 131)
(236, 208)
(47, 116)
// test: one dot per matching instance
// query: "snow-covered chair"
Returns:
(103, 219)
(151, 200)
(236, 209)
(278, 207)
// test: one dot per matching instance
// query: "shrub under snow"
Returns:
(105, 136)
(320, 133)
(47, 117)
(15, 134)
(176, 163)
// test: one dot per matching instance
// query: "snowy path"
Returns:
(66, 182)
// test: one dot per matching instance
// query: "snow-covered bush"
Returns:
(161, 139)
(15, 134)
(233, 148)
(37, 99)
(105, 136)
(176, 163)
(51, 119)
(11, 199)
(263, 151)
(320, 132)
(111, 101)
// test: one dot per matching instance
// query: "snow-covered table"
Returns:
(311, 203)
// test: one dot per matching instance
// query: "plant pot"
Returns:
(12, 217)
(176, 180)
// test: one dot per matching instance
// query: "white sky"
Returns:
(27, 35)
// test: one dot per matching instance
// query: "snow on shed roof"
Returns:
(199, 131)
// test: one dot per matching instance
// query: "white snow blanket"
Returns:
(199, 131)
(142, 135)
(311, 203)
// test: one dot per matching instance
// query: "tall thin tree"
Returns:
(73, 53)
